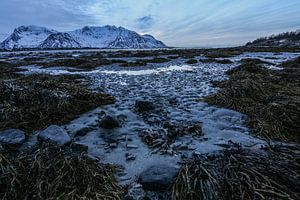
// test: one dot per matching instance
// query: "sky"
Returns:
(178, 23)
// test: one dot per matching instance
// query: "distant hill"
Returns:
(113, 37)
(288, 39)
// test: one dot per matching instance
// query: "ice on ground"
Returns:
(273, 58)
(150, 71)
(68, 70)
(175, 91)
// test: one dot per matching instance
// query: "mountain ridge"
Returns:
(37, 37)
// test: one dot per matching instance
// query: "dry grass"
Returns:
(34, 102)
(53, 173)
(237, 175)
(271, 99)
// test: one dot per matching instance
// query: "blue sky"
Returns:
(186, 23)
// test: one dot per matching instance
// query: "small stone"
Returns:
(14, 137)
(129, 157)
(158, 177)
(170, 152)
(183, 147)
(109, 122)
(144, 106)
(196, 153)
(132, 146)
(176, 145)
(55, 134)
(122, 118)
(122, 138)
(113, 145)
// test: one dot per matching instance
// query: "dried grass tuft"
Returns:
(271, 99)
(50, 172)
(237, 175)
(34, 102)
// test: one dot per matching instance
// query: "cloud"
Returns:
(184, 23)
(145, 22)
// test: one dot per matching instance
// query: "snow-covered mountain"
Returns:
(26, 37)
(59, 40)
(87, 37)
(288, 39)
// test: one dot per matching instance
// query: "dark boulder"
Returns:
(109, 122)
(144, 106)
(158, 177)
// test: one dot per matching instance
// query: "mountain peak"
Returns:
(33, 28)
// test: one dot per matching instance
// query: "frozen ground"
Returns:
(175, 90)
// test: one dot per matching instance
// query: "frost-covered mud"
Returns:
(174, 90)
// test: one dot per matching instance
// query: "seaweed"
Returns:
(50, 172)
(36, 101)
(271, 99)
(239, 175)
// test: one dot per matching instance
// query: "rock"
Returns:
(109, 122)
(14, 137)
(144, 106)
(113, 145)
(55, 134)
(129, 157)
(158, 177)
(122, 138)
(122, 118)
(196, 153)
(131, 146)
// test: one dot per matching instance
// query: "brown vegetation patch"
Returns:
(237, 175)
(53, 173)
(82, 63)
(36, 101)
(271, 99)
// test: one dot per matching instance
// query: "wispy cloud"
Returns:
(177, 23)
(145, 22)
